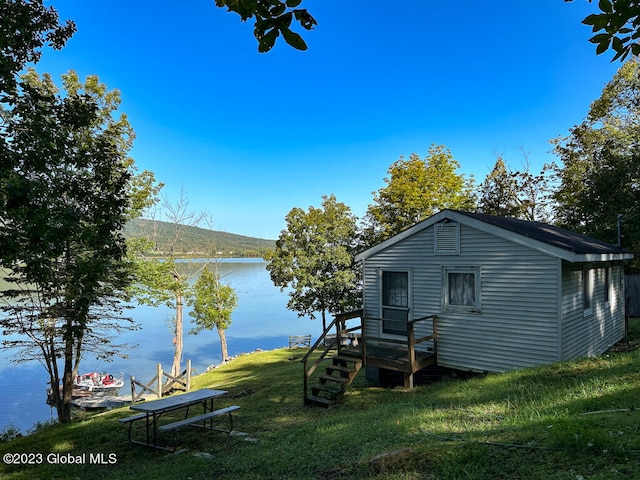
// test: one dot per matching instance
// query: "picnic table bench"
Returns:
(191, 421)
(153, 410)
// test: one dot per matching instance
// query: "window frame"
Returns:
(477, 306)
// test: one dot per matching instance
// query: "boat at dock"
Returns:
(98, 382)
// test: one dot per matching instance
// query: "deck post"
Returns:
(363, 338)
(408, 380)
(411, 345)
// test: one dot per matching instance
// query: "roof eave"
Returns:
(543, 247)
(599, 257)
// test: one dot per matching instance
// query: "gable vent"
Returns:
(447, 239)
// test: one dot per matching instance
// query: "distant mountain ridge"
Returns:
(195, 241)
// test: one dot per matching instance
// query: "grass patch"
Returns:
(527, 424)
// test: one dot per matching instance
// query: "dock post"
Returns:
(133, 389)
(159, 391)
(188, 375)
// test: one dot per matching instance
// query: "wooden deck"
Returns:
(356, 348)
(391, 357)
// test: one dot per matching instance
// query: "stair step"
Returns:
(338, 368)
(325, 402)
(331, 378)
(326, 388)
(346, 358)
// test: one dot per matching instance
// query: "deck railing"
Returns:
(411, 341)
(339, 323)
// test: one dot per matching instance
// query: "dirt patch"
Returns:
(625, 346)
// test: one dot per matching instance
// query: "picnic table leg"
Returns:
(153, 422)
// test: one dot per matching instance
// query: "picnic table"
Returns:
(152, 411)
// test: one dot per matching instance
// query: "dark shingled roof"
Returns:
(558, 237)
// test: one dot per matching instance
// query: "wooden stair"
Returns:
(334, 383)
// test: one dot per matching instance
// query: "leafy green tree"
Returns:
(272, 19)
(64, 200)
(314, 258)
(25, 27)
(599, 177)
(212, 305)
(416, 189)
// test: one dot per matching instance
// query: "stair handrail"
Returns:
(338, 322)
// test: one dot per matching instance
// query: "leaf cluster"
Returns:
(619, 27)
(272, 19)
(25, 27)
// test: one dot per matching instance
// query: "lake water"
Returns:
(260, 321)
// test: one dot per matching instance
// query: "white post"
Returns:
(159, 391)
(188, 375)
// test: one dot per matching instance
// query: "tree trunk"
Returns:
(177, 352)
(50, 355)
(223, 344)
(64, 407)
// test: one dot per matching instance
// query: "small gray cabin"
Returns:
(506, 293)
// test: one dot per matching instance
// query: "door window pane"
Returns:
(395, 289)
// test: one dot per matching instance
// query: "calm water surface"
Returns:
(260, 321)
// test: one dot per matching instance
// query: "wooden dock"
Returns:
(107, 401)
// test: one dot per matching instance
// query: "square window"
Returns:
(461, 289)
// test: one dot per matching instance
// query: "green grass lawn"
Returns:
(529, 424)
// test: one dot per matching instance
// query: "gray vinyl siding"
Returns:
(518, 323)
(591, 333)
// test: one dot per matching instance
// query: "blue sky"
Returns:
(249, 136)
